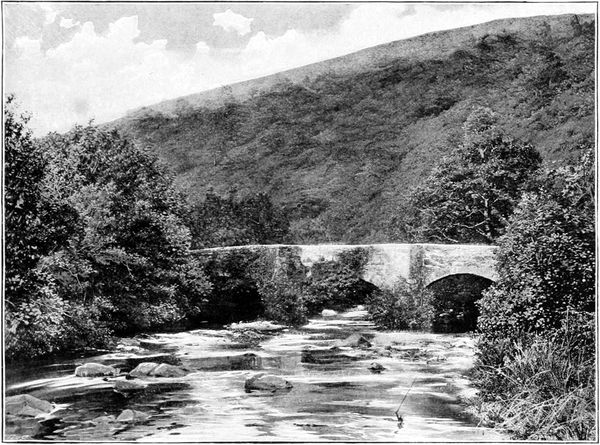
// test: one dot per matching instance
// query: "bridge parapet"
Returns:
(419, 264)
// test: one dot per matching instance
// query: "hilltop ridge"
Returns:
(421, 47)
(338, 143)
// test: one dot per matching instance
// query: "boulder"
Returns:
(328, 313)
(151, 369)
(143, 369)
(265, 327)
(26, 405)
(262, 382)
(356, 341)
(246, 338)
(376, 368)
(95, 370)
(103, 420)
(126, 386)
(157, 345)
(132, 416)
(166, 370)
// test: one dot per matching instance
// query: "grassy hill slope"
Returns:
(339, 143)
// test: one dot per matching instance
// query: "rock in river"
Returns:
(262, 382)
(132, 416)
(264, 327)
(103, 420)
(152, 369)
(356, 340)
(128, 386)
(376, 368)
(95, 370)
(26, 405)
(328, 313)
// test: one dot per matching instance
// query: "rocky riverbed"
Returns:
(337, 378)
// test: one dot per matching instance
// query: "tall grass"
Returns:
(544, 389)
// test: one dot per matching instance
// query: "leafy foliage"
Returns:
(337, 284)
(536, 353)
(106, 250)
(130, 245)
(232, 222)
(284, 301)
(403, 307)
(24, 166)
(546, 259)
(471, 194)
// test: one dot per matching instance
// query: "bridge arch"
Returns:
(487, 274)
(453, 300)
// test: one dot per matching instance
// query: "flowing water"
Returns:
(335, 396)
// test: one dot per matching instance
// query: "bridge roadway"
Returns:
(418, 264)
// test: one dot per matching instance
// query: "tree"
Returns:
(24, 170)
(471, 194)
(233, 221)
(536, 362)
(130, 248)
(546, 261)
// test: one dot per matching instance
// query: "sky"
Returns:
(68, 63)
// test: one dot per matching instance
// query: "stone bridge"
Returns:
(418, 264)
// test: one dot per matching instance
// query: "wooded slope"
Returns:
(339, 143)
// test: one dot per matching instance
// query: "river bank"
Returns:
(348, 380)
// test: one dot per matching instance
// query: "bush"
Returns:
(535, 363)
(540, 388)
(284, 302)
(47, 324)
(546, 260)
(401, 308)
(338, 284)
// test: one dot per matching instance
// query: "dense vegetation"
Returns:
(99, 239)
(338, 150)
(469, 196)
(537, 354)
(95, 241)
(233, 221)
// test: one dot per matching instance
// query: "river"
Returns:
(335, 396)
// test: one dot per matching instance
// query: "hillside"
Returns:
(339, 142)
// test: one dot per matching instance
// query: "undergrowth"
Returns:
(540, 387)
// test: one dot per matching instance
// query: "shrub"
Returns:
(284, 302)
(401, 308)
(546, 260)
(535, 363)
(337, 284)
(544, 387)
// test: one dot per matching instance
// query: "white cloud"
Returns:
(108, 73)
(67, 23)
(230, 21)
(49, 13)
(102, 75)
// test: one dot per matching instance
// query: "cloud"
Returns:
(103, 75)
(67, 23)
(49, 13)
(109, 73)
(230, 21)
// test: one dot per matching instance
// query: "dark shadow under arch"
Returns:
(453, 301)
